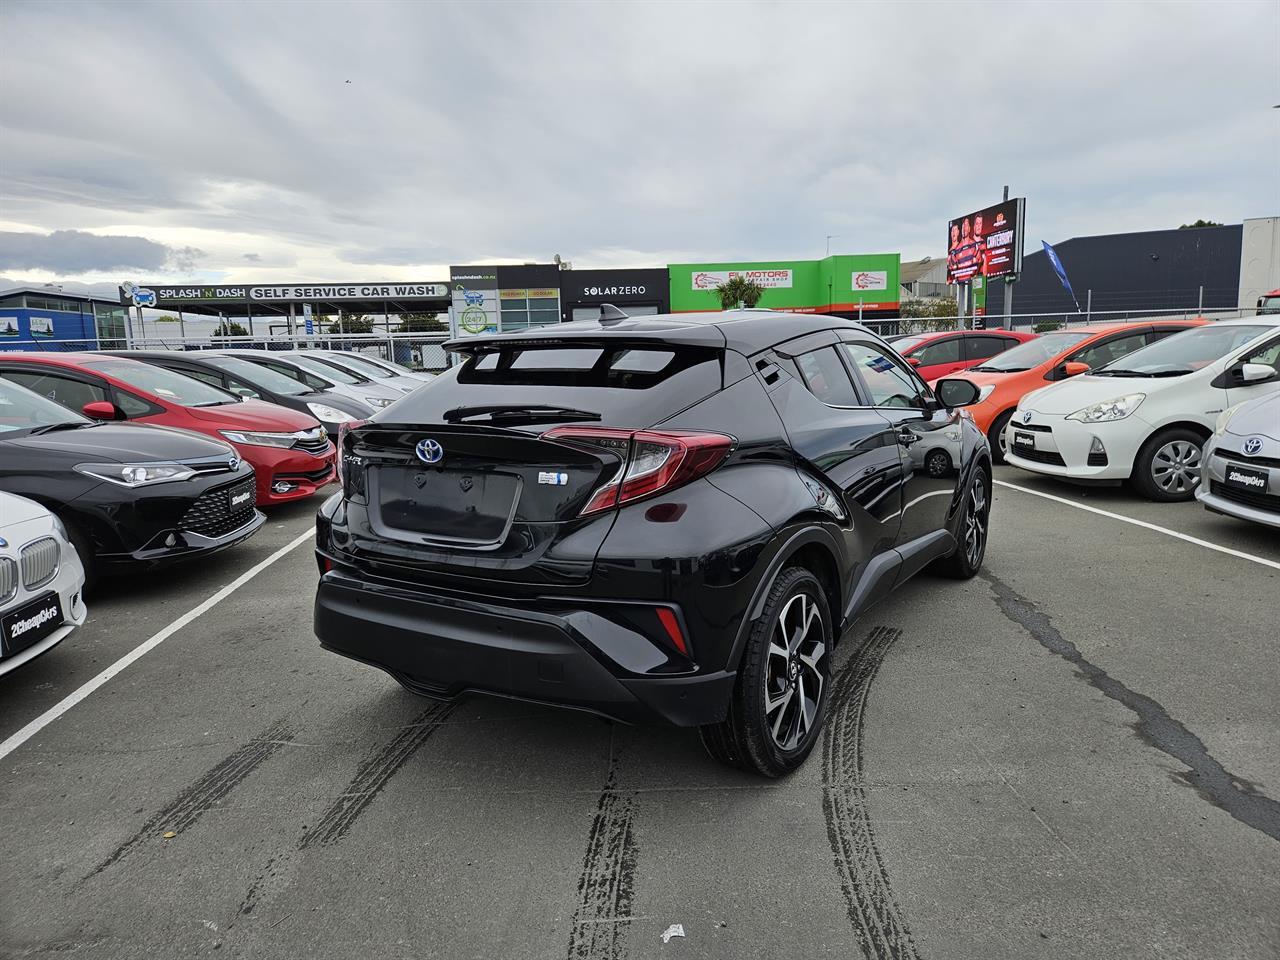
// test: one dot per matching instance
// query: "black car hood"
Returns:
(117, 443)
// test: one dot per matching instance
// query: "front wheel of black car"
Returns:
(781, 695)
(971, 546)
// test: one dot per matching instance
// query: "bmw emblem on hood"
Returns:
(429, 451)
(3, 542)
(1026, 416)
(1252, 445)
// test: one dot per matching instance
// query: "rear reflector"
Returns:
(672, 626)
(654, 461)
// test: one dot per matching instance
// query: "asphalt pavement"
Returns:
(1074, 755)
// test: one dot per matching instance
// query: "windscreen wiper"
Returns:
(518, 413)
(65, 425)
(999, 369)
(1142, 373)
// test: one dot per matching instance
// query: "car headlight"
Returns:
(1225, 416)
(256, 439)
(1115, 409)
(136, 474)
(985, 391)
(328, 414)
(377, 402)
(59, 527)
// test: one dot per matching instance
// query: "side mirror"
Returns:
(244, 392)
(1256, 372)
(914, 361)
(956, 392)
(100, 410)
(1073, 368)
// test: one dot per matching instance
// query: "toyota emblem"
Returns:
(1252, 445)
(430, 451)
(1026, 417)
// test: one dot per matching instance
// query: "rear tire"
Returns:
(995, 436)
(1167, 468)
(774, 716)
(966, 560)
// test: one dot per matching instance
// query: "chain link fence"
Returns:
(417, 351)
(424, 351)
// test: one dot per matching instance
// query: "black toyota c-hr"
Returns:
(663, 517)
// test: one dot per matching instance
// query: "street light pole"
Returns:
(830, 237)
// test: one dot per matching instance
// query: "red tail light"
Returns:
(343, 430)
(653, 461)
(672, 626)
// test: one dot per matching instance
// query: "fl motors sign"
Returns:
(767, 279)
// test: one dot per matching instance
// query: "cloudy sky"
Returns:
(190, 141)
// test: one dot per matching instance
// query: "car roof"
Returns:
(746, 331)
(61, 359)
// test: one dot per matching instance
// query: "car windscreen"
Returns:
(623, 385)
(22, 410)
(257, 375)
(182, 390)
(1185, 352)
(328, 370)
(903, 344)
(1035, 352)
(361, 365)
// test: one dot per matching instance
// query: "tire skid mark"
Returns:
(207, 792)
(606, 887)
(877, 920)
(373, 774)
(1236, 796)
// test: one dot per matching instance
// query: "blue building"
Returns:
(46, 318)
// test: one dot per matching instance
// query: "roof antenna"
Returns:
(611, 314)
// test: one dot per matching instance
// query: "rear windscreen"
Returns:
(626, 384)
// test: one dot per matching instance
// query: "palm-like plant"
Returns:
(739, 292)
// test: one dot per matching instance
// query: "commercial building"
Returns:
(1173, 270)
(31, 316)
(491, 299)
(844, 285)
(637, 292)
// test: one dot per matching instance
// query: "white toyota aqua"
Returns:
(1145, 417)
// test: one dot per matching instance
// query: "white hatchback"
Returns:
(41, 582)
(1146, 416)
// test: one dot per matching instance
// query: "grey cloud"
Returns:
(576, 128)
(69, 252)
(252, 257)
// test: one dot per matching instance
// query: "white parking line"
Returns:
(71, 699)
(1273, 564)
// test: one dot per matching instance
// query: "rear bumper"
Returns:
(445, 646)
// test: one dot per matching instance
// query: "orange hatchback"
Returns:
(1007, 377)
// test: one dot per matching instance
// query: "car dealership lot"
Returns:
(1073, 755)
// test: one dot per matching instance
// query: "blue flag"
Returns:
(1061, 271)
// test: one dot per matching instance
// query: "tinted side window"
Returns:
(887, 384)
(208, 377)
(979, 348)
(133, 406)
(1268, 353)
(73, 394)
(941, 351)
(1100, 354)
(826, 377)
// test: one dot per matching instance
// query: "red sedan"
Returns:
(938, 354)
(289, 451)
